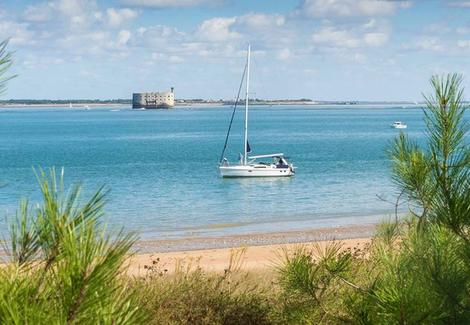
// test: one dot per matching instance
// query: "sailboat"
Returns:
(250, 166)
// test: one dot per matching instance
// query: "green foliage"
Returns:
(407, 276)
(416, 271)
(312, 272)
(64, 267)
(401, 290)
(435, 177)
(192, 296)
(311, 280)
(5, 64)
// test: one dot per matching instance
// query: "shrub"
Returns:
(416, 271)
(192, 296)
(64, 268)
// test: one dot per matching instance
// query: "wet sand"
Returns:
(254, 239)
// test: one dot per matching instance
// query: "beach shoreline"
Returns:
(192, 243)
(260, 251)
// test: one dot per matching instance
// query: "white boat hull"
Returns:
(398, 125)
(255, 171)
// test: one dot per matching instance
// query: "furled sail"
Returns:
(233, 115)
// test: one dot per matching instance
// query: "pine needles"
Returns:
(417, 270)
(65, 267)
(5, 64)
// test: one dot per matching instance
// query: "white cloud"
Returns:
(168, 58)
(463, 30)
(66, 25)
(74, 27)
(463, 44)
(337, 38)
(34, 61)
(438, 28)
(124, 36)
(175, 59)
(39, 13)
(342, 38)
(259, 21)
(169, 3)
(158, 37)
(88, 74)
(461, 4)
(429, 43)
(425, 43)
(74, 7)
(284, 54)
(117, 17)
(218, 30)
(75, 14)
(375, 39)
(359, 58)
(269, 30)
(310, 72)
(372, 23)
(171, 45)
(18, 33)
(350, 8)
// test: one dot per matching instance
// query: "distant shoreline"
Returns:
(210, 105)
(201, 102)
(85, 105)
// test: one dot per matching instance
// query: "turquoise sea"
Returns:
(161, 165)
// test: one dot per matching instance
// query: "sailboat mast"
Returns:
(246, 104)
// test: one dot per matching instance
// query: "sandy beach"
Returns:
(258, 251)
(252, 258)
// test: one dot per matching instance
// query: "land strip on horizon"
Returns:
(196, 101)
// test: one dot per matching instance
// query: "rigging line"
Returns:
(233, 115)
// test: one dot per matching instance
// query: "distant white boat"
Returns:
(398, 125)
(249, 166)
(114, 110)
(87, 107)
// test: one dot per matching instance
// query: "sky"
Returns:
(320, 49)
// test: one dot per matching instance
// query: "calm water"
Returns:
(161, 165)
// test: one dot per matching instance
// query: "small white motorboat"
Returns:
(249, 166)
(398, 125)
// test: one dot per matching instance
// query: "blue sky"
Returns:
(319, 49)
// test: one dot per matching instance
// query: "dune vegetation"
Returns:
(63, 266)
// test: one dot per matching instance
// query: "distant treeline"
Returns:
(252, 100)
(256, 101)
(63, 101)
(129, 101)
